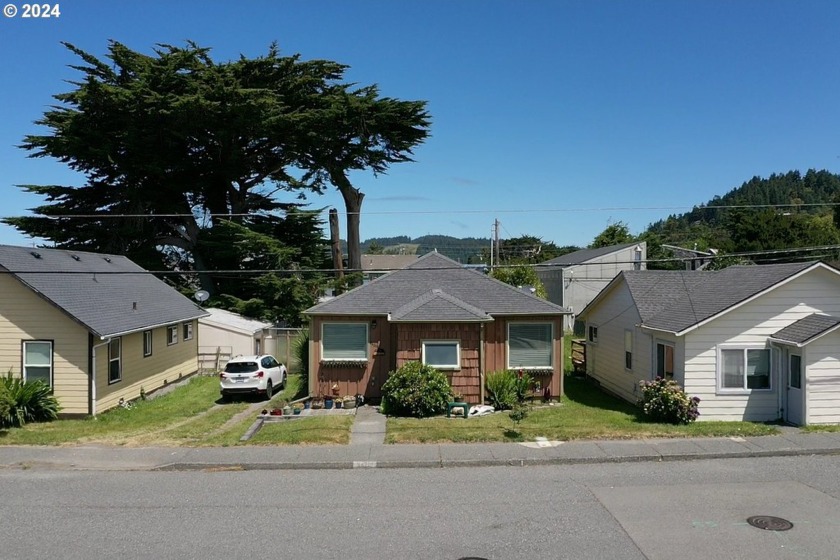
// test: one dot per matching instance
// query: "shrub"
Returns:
(6, 403)
(31, 401)
(416, 390)
(501, 389)
(663, 400)
(300, 347)
(506, 388)
(518, 413)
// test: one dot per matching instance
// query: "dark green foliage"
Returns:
(416, 390)
(614, 234)
(507, 388)
(6, 403)
(522, 275)
(518, 413)
(31, 401)
(300, 347)
(663, 400)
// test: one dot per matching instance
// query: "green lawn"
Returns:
(584, 413)
(190, 415)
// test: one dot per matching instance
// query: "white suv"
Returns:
(252, 374)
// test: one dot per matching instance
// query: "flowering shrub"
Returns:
(663, 400)
(415, 390)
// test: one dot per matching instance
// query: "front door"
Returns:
(794, 390)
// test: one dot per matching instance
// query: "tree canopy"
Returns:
(174, 145)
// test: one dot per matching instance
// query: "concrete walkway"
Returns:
(373, 454)
(368, 427)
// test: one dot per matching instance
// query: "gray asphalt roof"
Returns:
(808, 328)
(584, 255)
(433, 271)
(438, 306)
(676, 301)
(99, 291)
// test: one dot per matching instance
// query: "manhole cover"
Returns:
(770, 523)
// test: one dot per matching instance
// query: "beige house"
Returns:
(225, 334)
(96, 328)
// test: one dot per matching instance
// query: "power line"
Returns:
(446, 212)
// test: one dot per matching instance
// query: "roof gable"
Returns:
(433, 271)
(438, 306)
(108, 294)
(233, 320)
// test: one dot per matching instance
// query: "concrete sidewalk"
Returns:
(377, 455)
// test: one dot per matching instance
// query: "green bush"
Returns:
(31, 401)
(501, 389)
(300, 347)
(416, 390)
(507, 387)
(663, 400)
(6, 403)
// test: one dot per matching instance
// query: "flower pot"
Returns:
(287, 410)
(350, 404)
(295, 411)
(338, 404)
(328, 403)
(307, 404)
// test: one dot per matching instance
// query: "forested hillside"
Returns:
(783, 211)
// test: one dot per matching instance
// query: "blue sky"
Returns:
(555, 117)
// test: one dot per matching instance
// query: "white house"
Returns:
(574, 279)
(757, 343)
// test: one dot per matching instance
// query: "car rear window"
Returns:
(241, 367)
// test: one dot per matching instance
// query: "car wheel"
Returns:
(225, 398)
(269, 389)
(282, 381)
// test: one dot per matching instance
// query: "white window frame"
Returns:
(118, 360)
(628, 350)
(551, 350)
(592, 334)
(148, 343)
(188, 330)
(26, 365)
(744, 390)
(448, 367)
(324, 356)
(171, 335)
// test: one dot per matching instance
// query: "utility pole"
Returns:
(335, 240)
(496, 237)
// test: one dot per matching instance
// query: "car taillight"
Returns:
(222, 375)
(260, 374)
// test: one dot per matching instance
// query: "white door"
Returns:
(795, 378)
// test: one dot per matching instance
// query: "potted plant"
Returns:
(457, 396)
(317, 402)
(328, 402)
(297, 408)
(338, 402)
(287, 409)
(349, 401)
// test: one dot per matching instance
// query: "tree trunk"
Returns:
(353, 204)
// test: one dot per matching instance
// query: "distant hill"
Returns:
(461, 249)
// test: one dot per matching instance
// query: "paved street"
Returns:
(635, 510)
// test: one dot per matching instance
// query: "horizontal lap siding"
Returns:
(605, 359)
(753, 323)
(168, 363)
(26, 316)
(822, 380)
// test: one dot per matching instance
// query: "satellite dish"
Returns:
(202, 295)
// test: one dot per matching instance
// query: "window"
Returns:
(628, 349)
(796, 371)
(344, 341)
(171, 335)
(593, 334)
(38, 361)
(442, 354)
(147, 344)
(188, 331)
(744, 369)
(114, 360)
(530, 345)
(664, 360)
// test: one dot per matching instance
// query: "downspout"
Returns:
(105, 342)
(481, 362)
